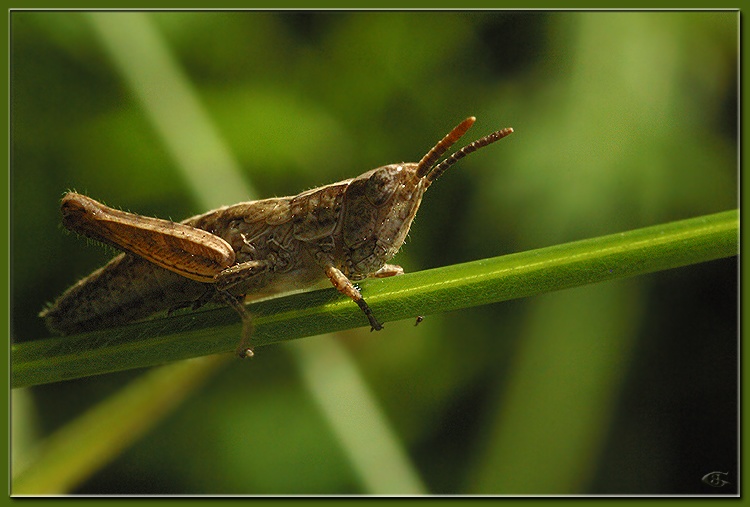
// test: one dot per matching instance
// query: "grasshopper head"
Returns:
(379, 205)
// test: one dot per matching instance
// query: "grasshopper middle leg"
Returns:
(229, 278)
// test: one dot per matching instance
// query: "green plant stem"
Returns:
(465, 285)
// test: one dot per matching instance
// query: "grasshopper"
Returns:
(345, 231)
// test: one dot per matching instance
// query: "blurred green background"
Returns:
(622, 120)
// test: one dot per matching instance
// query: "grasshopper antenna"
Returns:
(424, 165)
(470, 148)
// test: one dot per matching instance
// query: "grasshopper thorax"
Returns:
(379, 205)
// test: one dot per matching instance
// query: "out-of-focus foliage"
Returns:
(622, 119)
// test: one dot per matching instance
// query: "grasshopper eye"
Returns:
(380, 187)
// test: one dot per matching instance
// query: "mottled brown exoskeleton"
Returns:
(345, 231)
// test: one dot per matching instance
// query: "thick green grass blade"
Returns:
(312, 313)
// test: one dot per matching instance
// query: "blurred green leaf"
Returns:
(83, 446)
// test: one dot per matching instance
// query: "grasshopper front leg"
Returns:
(345, 286)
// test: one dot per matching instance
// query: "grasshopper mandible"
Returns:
(344, 231)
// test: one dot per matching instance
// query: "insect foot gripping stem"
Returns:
(343, 285)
